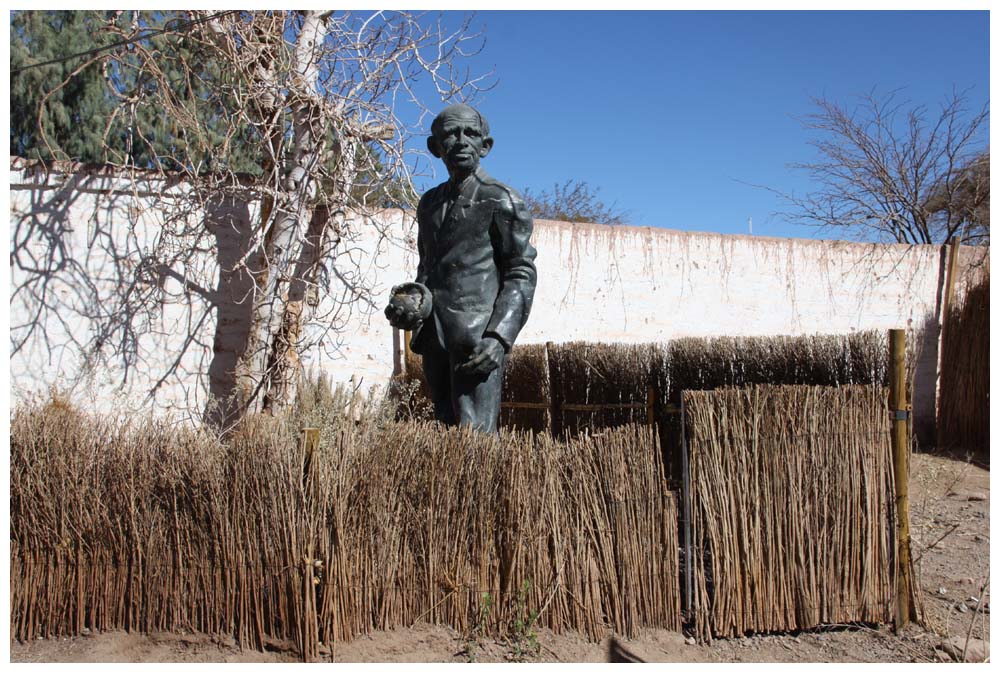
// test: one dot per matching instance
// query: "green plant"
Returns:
(523, 640)
(473, 640)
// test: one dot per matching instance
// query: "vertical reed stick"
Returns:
(553, 407)
(686, 497)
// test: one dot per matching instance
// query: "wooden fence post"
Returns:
(352, 406)
(900, 458)
(407, 353)
(651, 406)
(950, 272)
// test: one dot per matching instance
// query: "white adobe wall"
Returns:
(81, 243)
(596, 283)
(640, 284)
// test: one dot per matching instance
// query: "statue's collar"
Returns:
(455, 188)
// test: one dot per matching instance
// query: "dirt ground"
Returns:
(949, 513)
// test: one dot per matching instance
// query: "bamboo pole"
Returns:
(525, 405)
(605, 406)
(900, 454)
(310, 622)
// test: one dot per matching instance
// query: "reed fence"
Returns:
(964, 408)
(598, 385)
(792, 506)
(582, 386)
(270, 539)
(276, 537)
(579, 387)
(526, 402)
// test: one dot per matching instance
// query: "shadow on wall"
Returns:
(59, 308)
(117, 277)
(41, 259)
(98, 282)
(922, 348)
(228, 220)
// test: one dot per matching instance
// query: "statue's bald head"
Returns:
(460, 137)
(459, 110)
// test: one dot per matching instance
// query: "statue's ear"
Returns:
(487, 146)
(434, 146)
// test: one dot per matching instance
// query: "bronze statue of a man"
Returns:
(477, 266)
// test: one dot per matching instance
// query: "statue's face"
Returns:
(460, 141)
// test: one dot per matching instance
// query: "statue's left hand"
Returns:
(486, 356)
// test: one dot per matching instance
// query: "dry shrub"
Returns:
(320, 402)
(149, 527)
(792, 505)
(964, 409)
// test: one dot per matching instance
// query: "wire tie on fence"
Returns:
(901, 414)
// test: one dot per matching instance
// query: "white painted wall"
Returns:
(596, 283)
(639, 284)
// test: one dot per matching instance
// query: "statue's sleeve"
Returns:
(511, 236)
(421, 244)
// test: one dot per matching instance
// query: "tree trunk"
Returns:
(275, 320)
(285, 364)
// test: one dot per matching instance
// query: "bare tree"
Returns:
(316, 96)
(573, 201)
(965, 196)
(894, 171)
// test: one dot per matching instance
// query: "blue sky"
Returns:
(670, 113)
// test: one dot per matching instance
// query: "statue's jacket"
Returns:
(477, 260)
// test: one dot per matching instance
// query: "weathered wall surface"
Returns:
(105, 306)
(107, 302)
(636, 284)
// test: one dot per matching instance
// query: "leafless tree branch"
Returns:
(893, 171)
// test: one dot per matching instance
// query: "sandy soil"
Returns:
(950, 527)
